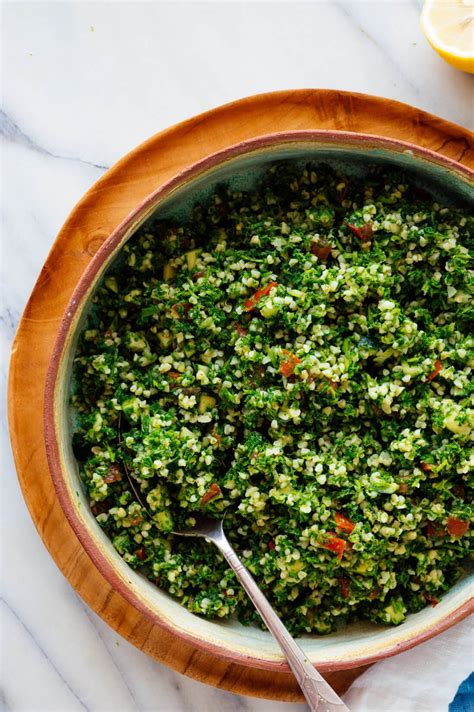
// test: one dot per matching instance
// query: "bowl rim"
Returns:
(66, 328)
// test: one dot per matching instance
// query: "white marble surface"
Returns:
(82, 84)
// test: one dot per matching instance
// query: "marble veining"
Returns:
(13, 133)
(84, 82)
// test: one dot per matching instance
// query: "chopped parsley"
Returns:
(301, 357)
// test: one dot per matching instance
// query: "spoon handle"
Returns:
(319, 695)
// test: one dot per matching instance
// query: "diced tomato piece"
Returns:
(114, 474)
(336, 544)
(437, 369)
(263, 292)
(136, 520)
(260, 370)
(426, 467)
(345, 590)
(403, 488)
(174, 375)
(364, 232)
(457, 527)
(343, 522)
(271, 545)
(332, 384)
(342, 193)
(433, 532)
(288, 365)
(140, 553)
(198, 275)
(213, 492)
(217, 438)
(459, 491)
(374, 594)
(100, 507)
(176, 310)
(241, 330)
(322, 252)
(430, 599)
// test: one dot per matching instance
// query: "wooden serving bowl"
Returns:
(242, 164)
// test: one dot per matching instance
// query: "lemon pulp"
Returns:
(449, 28)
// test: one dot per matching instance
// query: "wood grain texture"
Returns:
(100, 211)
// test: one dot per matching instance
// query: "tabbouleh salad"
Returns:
(299, 355)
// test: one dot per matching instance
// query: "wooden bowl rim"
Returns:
(76, 303)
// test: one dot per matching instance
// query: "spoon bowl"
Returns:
(318, 693)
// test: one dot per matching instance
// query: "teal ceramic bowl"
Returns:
(241, 166)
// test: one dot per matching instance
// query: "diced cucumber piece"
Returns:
(164, 521)
(111, 283)
(206, 403)
(169, 272)
(165, 338)
(269, 310)
(191, 258)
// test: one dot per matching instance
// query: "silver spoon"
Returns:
(319, 695)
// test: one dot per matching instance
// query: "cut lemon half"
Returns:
(449, 28)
